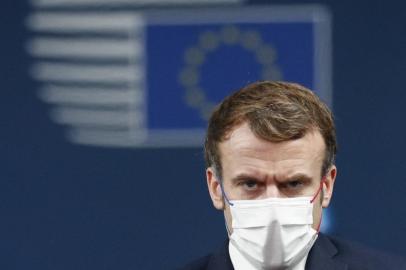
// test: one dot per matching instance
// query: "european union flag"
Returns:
(192, 65)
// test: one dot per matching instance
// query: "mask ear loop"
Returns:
(323, 181)
(319, 189)
(224, 194)
(228, 201)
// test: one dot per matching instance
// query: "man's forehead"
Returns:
(241, 140)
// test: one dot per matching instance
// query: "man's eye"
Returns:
(250, 184)
(294, 184)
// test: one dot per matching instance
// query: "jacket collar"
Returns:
(321, 257)
(220, 260)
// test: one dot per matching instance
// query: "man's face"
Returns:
(253, 168)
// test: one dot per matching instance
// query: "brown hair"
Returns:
(274, 111)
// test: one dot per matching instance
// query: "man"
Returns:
(270, 152)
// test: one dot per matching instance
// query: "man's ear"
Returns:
(214, 189)
(329, 186)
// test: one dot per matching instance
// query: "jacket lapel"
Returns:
(220, 260)
(322, 255)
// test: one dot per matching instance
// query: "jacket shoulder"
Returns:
(198, 264)
(218, 260)
(362, 257)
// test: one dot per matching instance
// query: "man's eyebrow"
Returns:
(298, 176)
(244, 176)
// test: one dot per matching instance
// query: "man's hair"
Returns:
(275, 111)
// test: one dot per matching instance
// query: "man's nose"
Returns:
(272, 191)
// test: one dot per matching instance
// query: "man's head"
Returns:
(270, 139)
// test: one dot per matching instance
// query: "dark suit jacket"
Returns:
(327, 253)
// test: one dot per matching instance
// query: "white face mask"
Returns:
(274, 233)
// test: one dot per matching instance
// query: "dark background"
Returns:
(145, 209)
